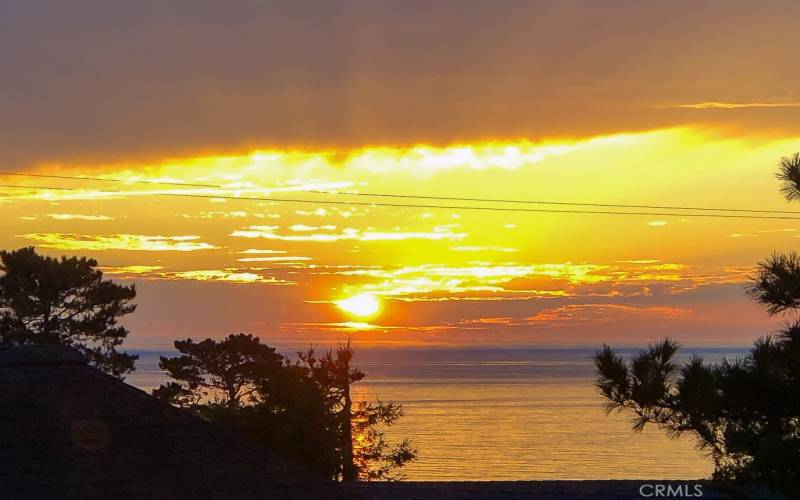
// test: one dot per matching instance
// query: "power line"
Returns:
(34, 188)
(493, 209)
(419, 197)
(107, 179)
(540, 202)
(448, 207)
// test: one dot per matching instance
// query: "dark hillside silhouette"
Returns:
(66, 301)
(745, 413)
(69, 431)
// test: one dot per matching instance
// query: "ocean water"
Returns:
(509, 414)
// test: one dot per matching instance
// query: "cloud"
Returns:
(735, 105)
(601, 313)
(586, 317)
(428, 160)
(258, 251)
(269, 232)
(229, 275)
(574, 315)
(483, 249)
(287, 258)
(415, 282)
(69, 217)
(372, 75)
(305, 228)
(517, 281)
(234, 214)
(346, 326)
(138, 242)
(79, 217)
(345, 213)
(232, 276)
(318, 212)
(129, 270)
(358, 326)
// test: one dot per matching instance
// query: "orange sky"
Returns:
(648, 104)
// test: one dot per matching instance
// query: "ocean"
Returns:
(509, 414)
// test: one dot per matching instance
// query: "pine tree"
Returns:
(745, 413)
(66, 301)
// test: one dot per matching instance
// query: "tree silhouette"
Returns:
(745, 413)
(229, 372)
(334, 376)
(365, 453)
(789, 175)
(244, 384)
(301, 409)
(292, 417)
(776, 286)
(64, 301)
(374, 457)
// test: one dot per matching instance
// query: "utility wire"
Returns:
(107, 179)
(419, 197)
(449, 207)
(539, 202)
(493, 209)
(35, 188)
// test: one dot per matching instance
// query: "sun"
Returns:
(364, 305)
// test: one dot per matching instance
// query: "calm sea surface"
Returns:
(506, 414)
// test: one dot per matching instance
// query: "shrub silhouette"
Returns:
(64, 301)
(745, 413)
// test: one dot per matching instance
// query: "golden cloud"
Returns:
(284, 258)
(79, 217)
(233, 214)
(228, 275)
(129, 270)
(258, 251)
(514, 281)
(484, 249)
(735, 105)
(601, 313)
(269, 232)
(139, 242)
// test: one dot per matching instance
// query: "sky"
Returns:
(300, 109)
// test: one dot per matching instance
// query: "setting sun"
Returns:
(364, 305)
